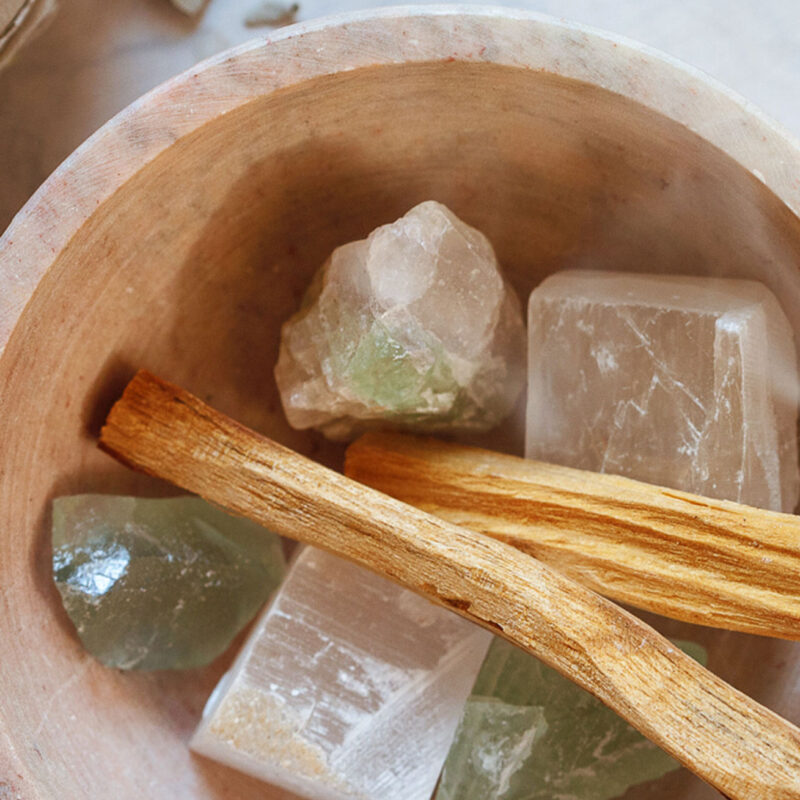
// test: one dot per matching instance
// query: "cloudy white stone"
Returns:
(684, 382)
(413, 327)
(348, 687)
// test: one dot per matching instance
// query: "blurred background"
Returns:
(91, 58)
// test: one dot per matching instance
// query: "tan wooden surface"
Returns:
(688, 557)
(731, 741)
(184, 233)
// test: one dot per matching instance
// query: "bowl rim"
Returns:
(371, 38)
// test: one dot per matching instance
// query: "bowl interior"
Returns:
(192, 265)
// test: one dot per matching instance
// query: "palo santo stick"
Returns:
(681, 555)
(738, 746)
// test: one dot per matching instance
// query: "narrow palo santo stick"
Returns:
(681, 555)
(738, 746)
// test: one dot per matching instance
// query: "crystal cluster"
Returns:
(159, 584)
(349, 687)
(684, 382)
(412, 327)
(527, 733)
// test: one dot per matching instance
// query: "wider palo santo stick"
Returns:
(738, 746)
(688, 557)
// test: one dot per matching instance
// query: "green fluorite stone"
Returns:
(159, 583)
(413, 327)
(527, 733)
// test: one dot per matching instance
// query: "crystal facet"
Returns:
(412, 327)
(527, 733)
(348, 687)
(684, 382)
(159, 583)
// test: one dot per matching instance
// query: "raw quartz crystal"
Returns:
(348, 687)
(683, 382)
(159, 583)
(527, 733)
(412, 327)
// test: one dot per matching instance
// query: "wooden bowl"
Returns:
(182, 234)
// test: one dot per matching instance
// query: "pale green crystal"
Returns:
(527, 733)
(494, 742)
(413, 327)
(159, 583)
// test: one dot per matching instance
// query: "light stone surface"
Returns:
(683, 382)
(189, 6)
(413, 327)
(271, 13)
(348, 687)
(159, 583)
(527, 733)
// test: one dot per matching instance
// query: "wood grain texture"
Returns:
(692, 558)
(725, 737)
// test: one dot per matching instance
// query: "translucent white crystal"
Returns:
(348, 687)
(684, 382)
(413, 326)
